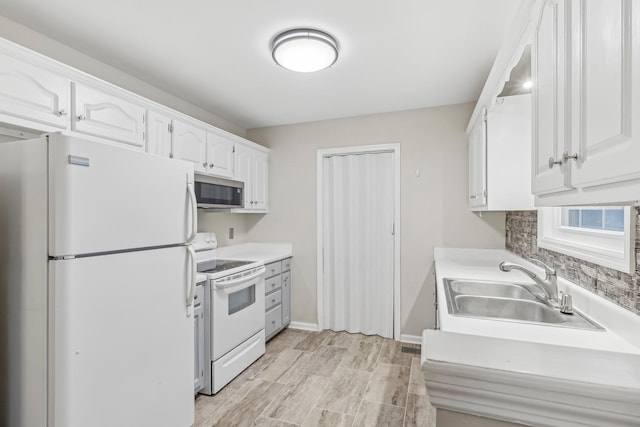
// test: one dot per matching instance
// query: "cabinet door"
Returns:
(260, 180)
(158, 134)
(549, 110)
(243, 169)
(478, 164)
(286, 298)
(605, 92)
(190, 144)
(34, 94)
(100, 114)
(219, 156)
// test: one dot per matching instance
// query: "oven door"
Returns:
(237, 312)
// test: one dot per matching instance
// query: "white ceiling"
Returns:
(394, 55)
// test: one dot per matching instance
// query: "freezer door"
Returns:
(105, 198)
(121, 341)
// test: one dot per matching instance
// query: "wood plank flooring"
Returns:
(324, 379)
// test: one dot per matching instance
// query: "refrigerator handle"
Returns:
(194, 212)
(192, 278)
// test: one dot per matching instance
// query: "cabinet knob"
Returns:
(204, 164)
(211, 165)
(552, 162)
(472, 197)
(566, 156)
(273, 300)
(81, 117)
(273, 322)
(61, 113)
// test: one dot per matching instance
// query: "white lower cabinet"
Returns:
(30, 94)
(100, 114)
(277, 297)
(252, 167)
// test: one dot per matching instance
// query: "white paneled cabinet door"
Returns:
(158, 134)
(219, 156)
(478, 164)
(190, 144)
(100, 114)
(260, 180)
(605, 92)
(31, 93)
(549, 109)
(243, 169)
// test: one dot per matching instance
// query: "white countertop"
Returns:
(505, 369)
(265, 252)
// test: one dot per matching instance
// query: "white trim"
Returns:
(378, 148)
(517, 397)
(609, 249)
(303, 326)
(411, 339)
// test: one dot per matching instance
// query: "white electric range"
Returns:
(236, 313)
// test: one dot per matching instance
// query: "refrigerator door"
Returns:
(104, 198)
(121, 340)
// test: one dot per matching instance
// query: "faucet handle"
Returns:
(549, 271)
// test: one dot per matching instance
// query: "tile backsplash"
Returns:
(620, 288)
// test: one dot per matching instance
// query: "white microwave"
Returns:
(218, 193)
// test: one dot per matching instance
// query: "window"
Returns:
(599, 234)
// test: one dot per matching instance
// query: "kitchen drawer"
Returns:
(286, 264)
(272, 284)
(273, 268)
(273, 320)
(272, 300)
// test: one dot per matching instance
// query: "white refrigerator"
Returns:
(96, 286)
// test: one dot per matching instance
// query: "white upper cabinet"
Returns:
(219, 155)
(605, 92)
(549, 110)
(33, 94)
(158, 134)
(478, 163)
(103, 115)
(586, 102)
(190, 144)
(252, 167)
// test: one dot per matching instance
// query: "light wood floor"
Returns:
(324, 379)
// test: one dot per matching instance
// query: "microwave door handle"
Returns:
(194, 212)
(231, 283)
(192, 278)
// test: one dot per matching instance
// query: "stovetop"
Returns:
(219, 265)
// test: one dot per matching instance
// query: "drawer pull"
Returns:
(273, 322)
(273, 300)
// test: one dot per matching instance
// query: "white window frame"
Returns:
(607, 248)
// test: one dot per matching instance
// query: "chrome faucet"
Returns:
(549, 284)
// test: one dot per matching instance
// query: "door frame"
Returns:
(363, 149)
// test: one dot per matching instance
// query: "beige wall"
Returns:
(434, 208)
(219, 223)
(33, 40)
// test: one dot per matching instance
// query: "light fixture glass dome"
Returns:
(305, 50)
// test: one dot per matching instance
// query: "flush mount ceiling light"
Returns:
(305, 50)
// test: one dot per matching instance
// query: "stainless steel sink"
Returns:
(507, 301)
(507, 308)
(490, 289)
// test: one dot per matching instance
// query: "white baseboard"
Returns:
(411, 339)
(304, 326)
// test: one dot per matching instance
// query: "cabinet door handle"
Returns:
(552, 162)
(211, 165)
(566, 156)
(61, 113)
(472, 197)
(81, 117)
(204, 164)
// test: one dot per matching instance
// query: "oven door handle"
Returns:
(240, 280)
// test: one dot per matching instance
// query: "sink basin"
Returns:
(507, 308)
(507, 301)
(490, 289)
